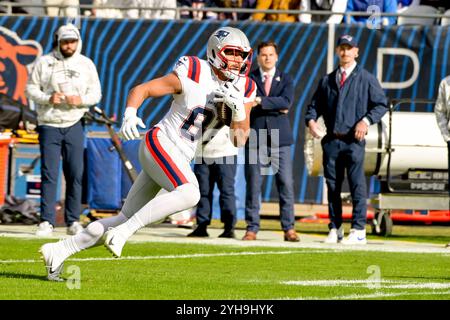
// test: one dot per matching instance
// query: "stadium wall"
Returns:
(128, 52)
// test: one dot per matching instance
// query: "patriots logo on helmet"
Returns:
(221, 34)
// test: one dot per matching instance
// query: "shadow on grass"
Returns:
(22, 276)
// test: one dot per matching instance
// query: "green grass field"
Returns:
(195, 272)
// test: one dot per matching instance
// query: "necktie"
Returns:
(343, 78)
(267, 83)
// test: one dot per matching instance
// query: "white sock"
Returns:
(131, 226)
(161, 206)
(67, 247)
(90, 235)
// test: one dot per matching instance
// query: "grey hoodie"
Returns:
(52, 72)
(442, 108)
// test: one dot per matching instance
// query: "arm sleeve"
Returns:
(94, 91)
(181, 69)
(442, 112)
(283, 100)
(33, 89)
(377, 101)
(314, 109)
(250, 90)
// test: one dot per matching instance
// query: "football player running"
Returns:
(168, 148)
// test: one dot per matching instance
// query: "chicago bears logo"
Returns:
(15, 55)
(221, 34)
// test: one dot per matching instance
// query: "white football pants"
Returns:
(163, 166)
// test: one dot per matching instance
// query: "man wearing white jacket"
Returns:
(63, 84)
(442, 111)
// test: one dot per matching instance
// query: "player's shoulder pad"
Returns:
(189, 66)
(249, 87)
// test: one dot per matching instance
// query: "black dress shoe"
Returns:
(199, 232)
(227, 234)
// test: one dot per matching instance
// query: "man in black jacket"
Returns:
(349, 99)
(270, 142)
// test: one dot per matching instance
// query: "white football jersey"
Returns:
(193, 111)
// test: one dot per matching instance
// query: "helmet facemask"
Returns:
(228, 47)
(235, 61)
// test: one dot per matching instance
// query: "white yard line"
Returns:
(388, 284)
(334, 283)
(419, 285)
(181, 256)
(378, 294)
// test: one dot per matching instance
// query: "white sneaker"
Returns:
(356, 237)
(75, 228)
(335, 235)
(53, 261)
(114, 241)
(45, 229)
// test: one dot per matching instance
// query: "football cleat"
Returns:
(114, 241)
(53, 261)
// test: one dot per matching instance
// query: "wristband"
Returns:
(239, 114)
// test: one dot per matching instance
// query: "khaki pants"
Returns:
(72, 11)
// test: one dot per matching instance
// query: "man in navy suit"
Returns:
(270, 141)
(349, 99)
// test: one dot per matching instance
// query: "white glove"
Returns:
(233, 98)
(129, 130)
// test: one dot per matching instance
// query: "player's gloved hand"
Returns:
(129, 130)
(233, 98)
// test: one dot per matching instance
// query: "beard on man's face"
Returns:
(67, 52)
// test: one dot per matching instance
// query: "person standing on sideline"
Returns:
(63, 84)
(216, 164)
(168, 148)
(442, 112)
(275, 93)
(68, 8)
(349, 99)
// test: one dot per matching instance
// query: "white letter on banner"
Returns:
(399, 52)
(374, 21)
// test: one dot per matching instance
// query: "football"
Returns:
(224, 113)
